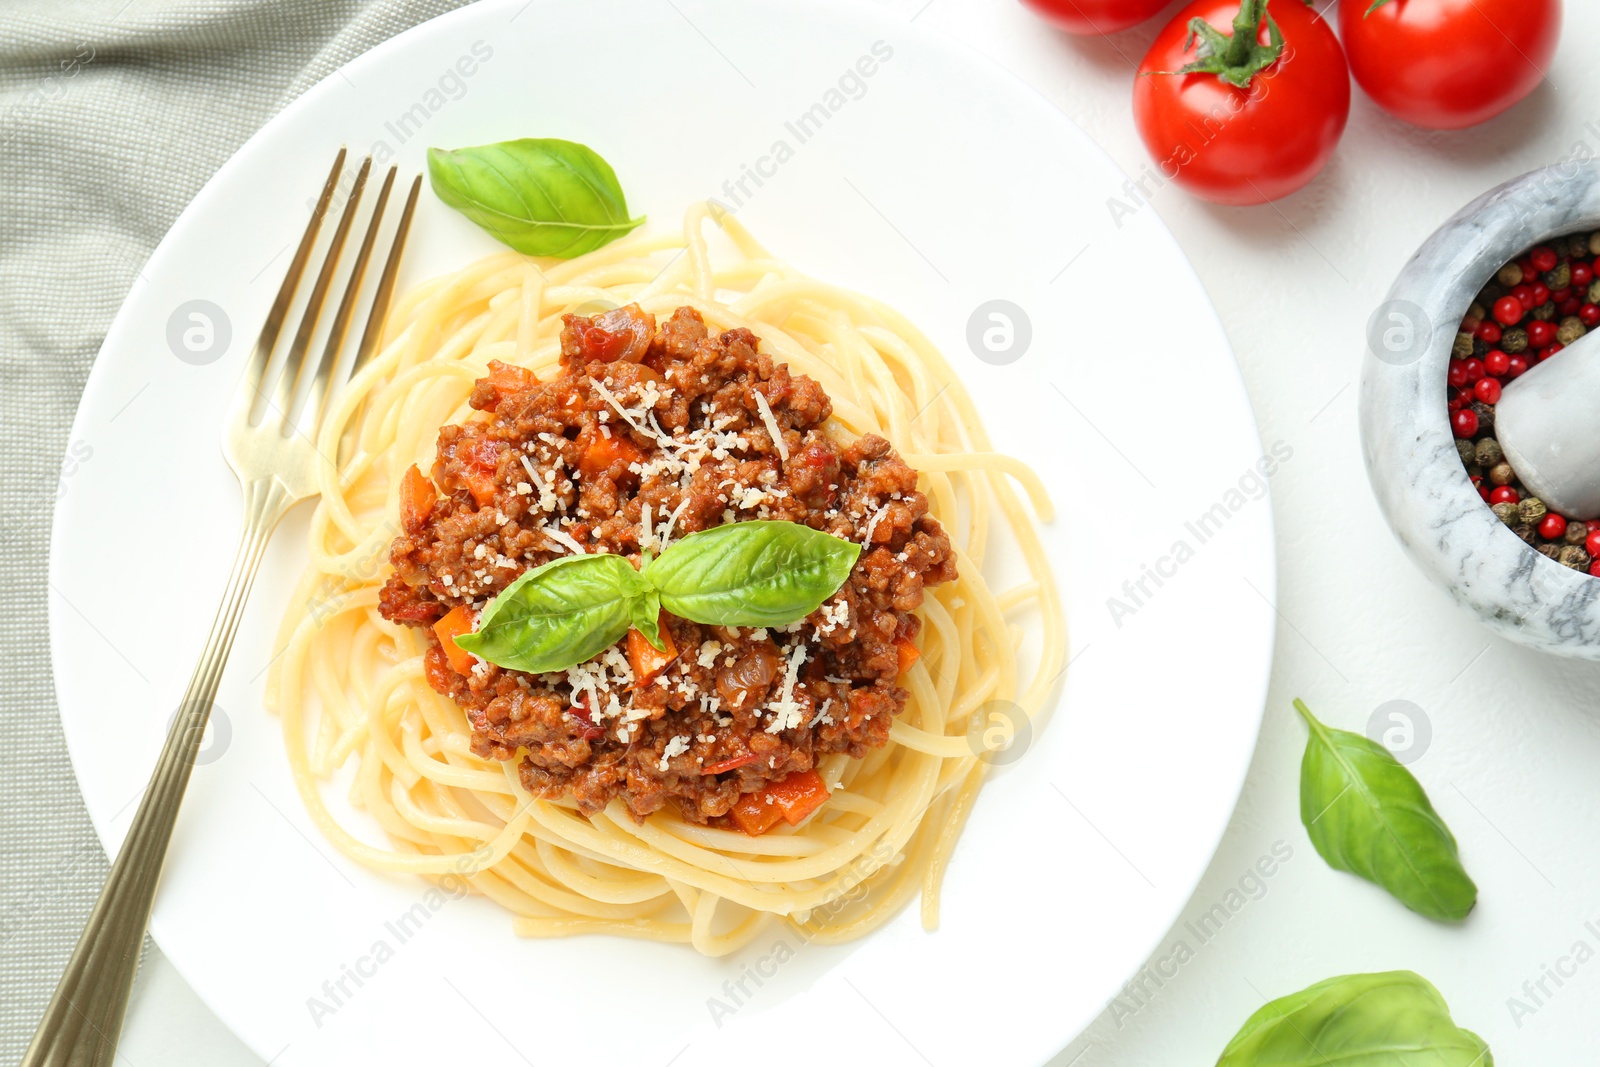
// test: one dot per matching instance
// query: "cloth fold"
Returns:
(113, 114)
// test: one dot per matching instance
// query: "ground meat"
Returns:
(666, 419)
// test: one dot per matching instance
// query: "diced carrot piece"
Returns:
(507, 378)
(798, 795)
(457, 621)
(417, 495)
(481, 485)
(732, 764)
(752, 814)
(605, 451)
(909, 653)
(647, 660)
(791, 800)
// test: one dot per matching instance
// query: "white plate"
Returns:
(937, 183)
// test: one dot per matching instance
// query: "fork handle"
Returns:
(81, 1025)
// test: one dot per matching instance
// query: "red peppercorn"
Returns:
(1496, 362)
(1552, 527)
(1561, 294)
(1524, 295)
(1464, 422)
(1528, 269)
(1470, 324)
(1457, 374)
(1582, 275)
(1592, 545)
(1503, 494)
(1540, 333)
(1569, 306)
(1594, 568)
(1589, 314)
(1474, 369)
(1553, 349)
(1543, 258)
(1487, 390)
(1508, 309)
(1516, 367)
(1483, 491)
(1541, 293)
(1489, 333)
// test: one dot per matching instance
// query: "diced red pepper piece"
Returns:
(457, 621)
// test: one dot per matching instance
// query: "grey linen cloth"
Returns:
(113, 114)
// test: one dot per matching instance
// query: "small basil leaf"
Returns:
(752, 573)
(541, 196)
(1393, 1019)
(563, 613)
(1368, 815)
(647, 618)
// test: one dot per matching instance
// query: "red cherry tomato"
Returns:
(1095, 16)
(1249, 145)
(1447, 64)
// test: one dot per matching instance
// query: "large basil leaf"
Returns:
(1393, 1019)
(542, 196)
(1366, 814)
(752, 573)
(565, 612)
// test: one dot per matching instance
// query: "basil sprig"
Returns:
(1392, 1019)
(739, 574)
(542, 196)
(1368, 815)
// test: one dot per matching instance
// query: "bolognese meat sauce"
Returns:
(648, 434)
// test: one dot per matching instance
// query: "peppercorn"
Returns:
(1545, 312)
(1570, 330)
(1502, 474)
(1477, 311)
(1469, 455)
(1559, 278)
(1510, 274)
(1487, 453)
(1594, 292)
(1475, 472)
(1574, 557)
(1594, 243)
(1550, 550)
(1577, 532)
(1526, 532)
(1462, 348)
(1485, 413)
(1490, 293)
(1532, 509)
(1506, 513)
(1513, 339)
(1577, 246)
(1480, 348)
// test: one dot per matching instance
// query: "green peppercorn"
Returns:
(1464, 449)
(1506, 513)
(1593, 295)
(1545, 312)
(1570, 330)
(1550, 550)
(1594, 243)
(1513, 339)
(1462, 347)
(1577, 246)
(1574, 557)
(1526, 532)
(1559, 278)
(1479, 312)
(1577, 532)
(1510, 274)
(1532, 509)
(1487, 453)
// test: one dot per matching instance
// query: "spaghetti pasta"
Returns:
(350, 688)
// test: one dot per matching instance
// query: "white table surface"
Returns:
(1513, 761)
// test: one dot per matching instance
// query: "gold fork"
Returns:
(276, 462)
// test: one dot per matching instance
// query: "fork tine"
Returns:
(296, 371)
(255, 372)
(373, 334)
(327, 379)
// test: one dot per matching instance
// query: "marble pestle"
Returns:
(1545, 423)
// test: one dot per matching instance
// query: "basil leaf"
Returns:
(1393, 1019)
(1368, 815)
(647, 617)
(751, 573)
(541, 196)
(562, 613)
